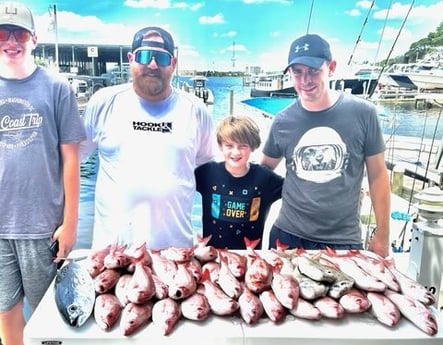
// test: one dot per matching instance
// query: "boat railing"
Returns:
(283, 94)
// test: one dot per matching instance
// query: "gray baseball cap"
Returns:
(17, 14)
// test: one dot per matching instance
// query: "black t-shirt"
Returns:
(236, 207)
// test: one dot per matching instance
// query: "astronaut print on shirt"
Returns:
(320, 155)
(19, 123)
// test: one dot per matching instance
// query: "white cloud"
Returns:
(216, 19)
(354, 12)
(148, 3)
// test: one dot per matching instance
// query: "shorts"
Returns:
(294, 241)
(26, 269)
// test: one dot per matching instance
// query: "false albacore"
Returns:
(74, 293)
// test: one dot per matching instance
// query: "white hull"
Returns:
(427, 80)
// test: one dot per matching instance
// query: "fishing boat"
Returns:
(280, 84)
(413, 76)
(360, 80)
(427, 80)
(275, 84)
(199, 89)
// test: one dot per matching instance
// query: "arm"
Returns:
(380, 193)
(270, 162)
(67, 231)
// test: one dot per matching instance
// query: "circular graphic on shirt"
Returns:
(18, 123)
(320, 155)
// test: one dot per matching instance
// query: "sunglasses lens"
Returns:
(4, 34)
(20, 35)
(144, 57)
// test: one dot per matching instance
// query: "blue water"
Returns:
(399, 119)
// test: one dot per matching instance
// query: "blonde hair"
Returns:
(239, 129)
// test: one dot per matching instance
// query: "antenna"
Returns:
(233, 54)
(53, 15)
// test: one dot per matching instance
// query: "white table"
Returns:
(47, 327)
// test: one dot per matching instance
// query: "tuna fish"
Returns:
(107, 311)
(74, 293)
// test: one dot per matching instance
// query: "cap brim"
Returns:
(19, 25)
(310, 61)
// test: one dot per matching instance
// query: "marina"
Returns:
(409, 105)
(404, 123)
(417, 132)
(413, 138)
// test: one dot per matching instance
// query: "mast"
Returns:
(361, 31)
(53, 15)
(233, 55)
(310, 16)
(393, 45)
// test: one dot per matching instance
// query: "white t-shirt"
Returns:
(147, 153)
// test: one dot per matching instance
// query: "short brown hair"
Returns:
(240, 129)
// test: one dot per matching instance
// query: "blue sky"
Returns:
(211, 33)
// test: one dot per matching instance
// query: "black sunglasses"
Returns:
(144, 57)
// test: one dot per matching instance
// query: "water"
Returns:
(399, 119)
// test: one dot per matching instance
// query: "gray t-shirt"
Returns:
(37, 114)
(325, 152)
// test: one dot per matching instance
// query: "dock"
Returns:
(421, 99)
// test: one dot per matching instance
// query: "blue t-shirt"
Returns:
(37, 114)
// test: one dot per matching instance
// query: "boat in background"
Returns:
(199, 89)
(360, 80)
(413, 76)
(275, 84)
(428, 80)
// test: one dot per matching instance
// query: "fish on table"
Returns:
(74, 293)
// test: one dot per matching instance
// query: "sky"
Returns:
(230, 35)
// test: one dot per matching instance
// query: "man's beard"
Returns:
(150, 84)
